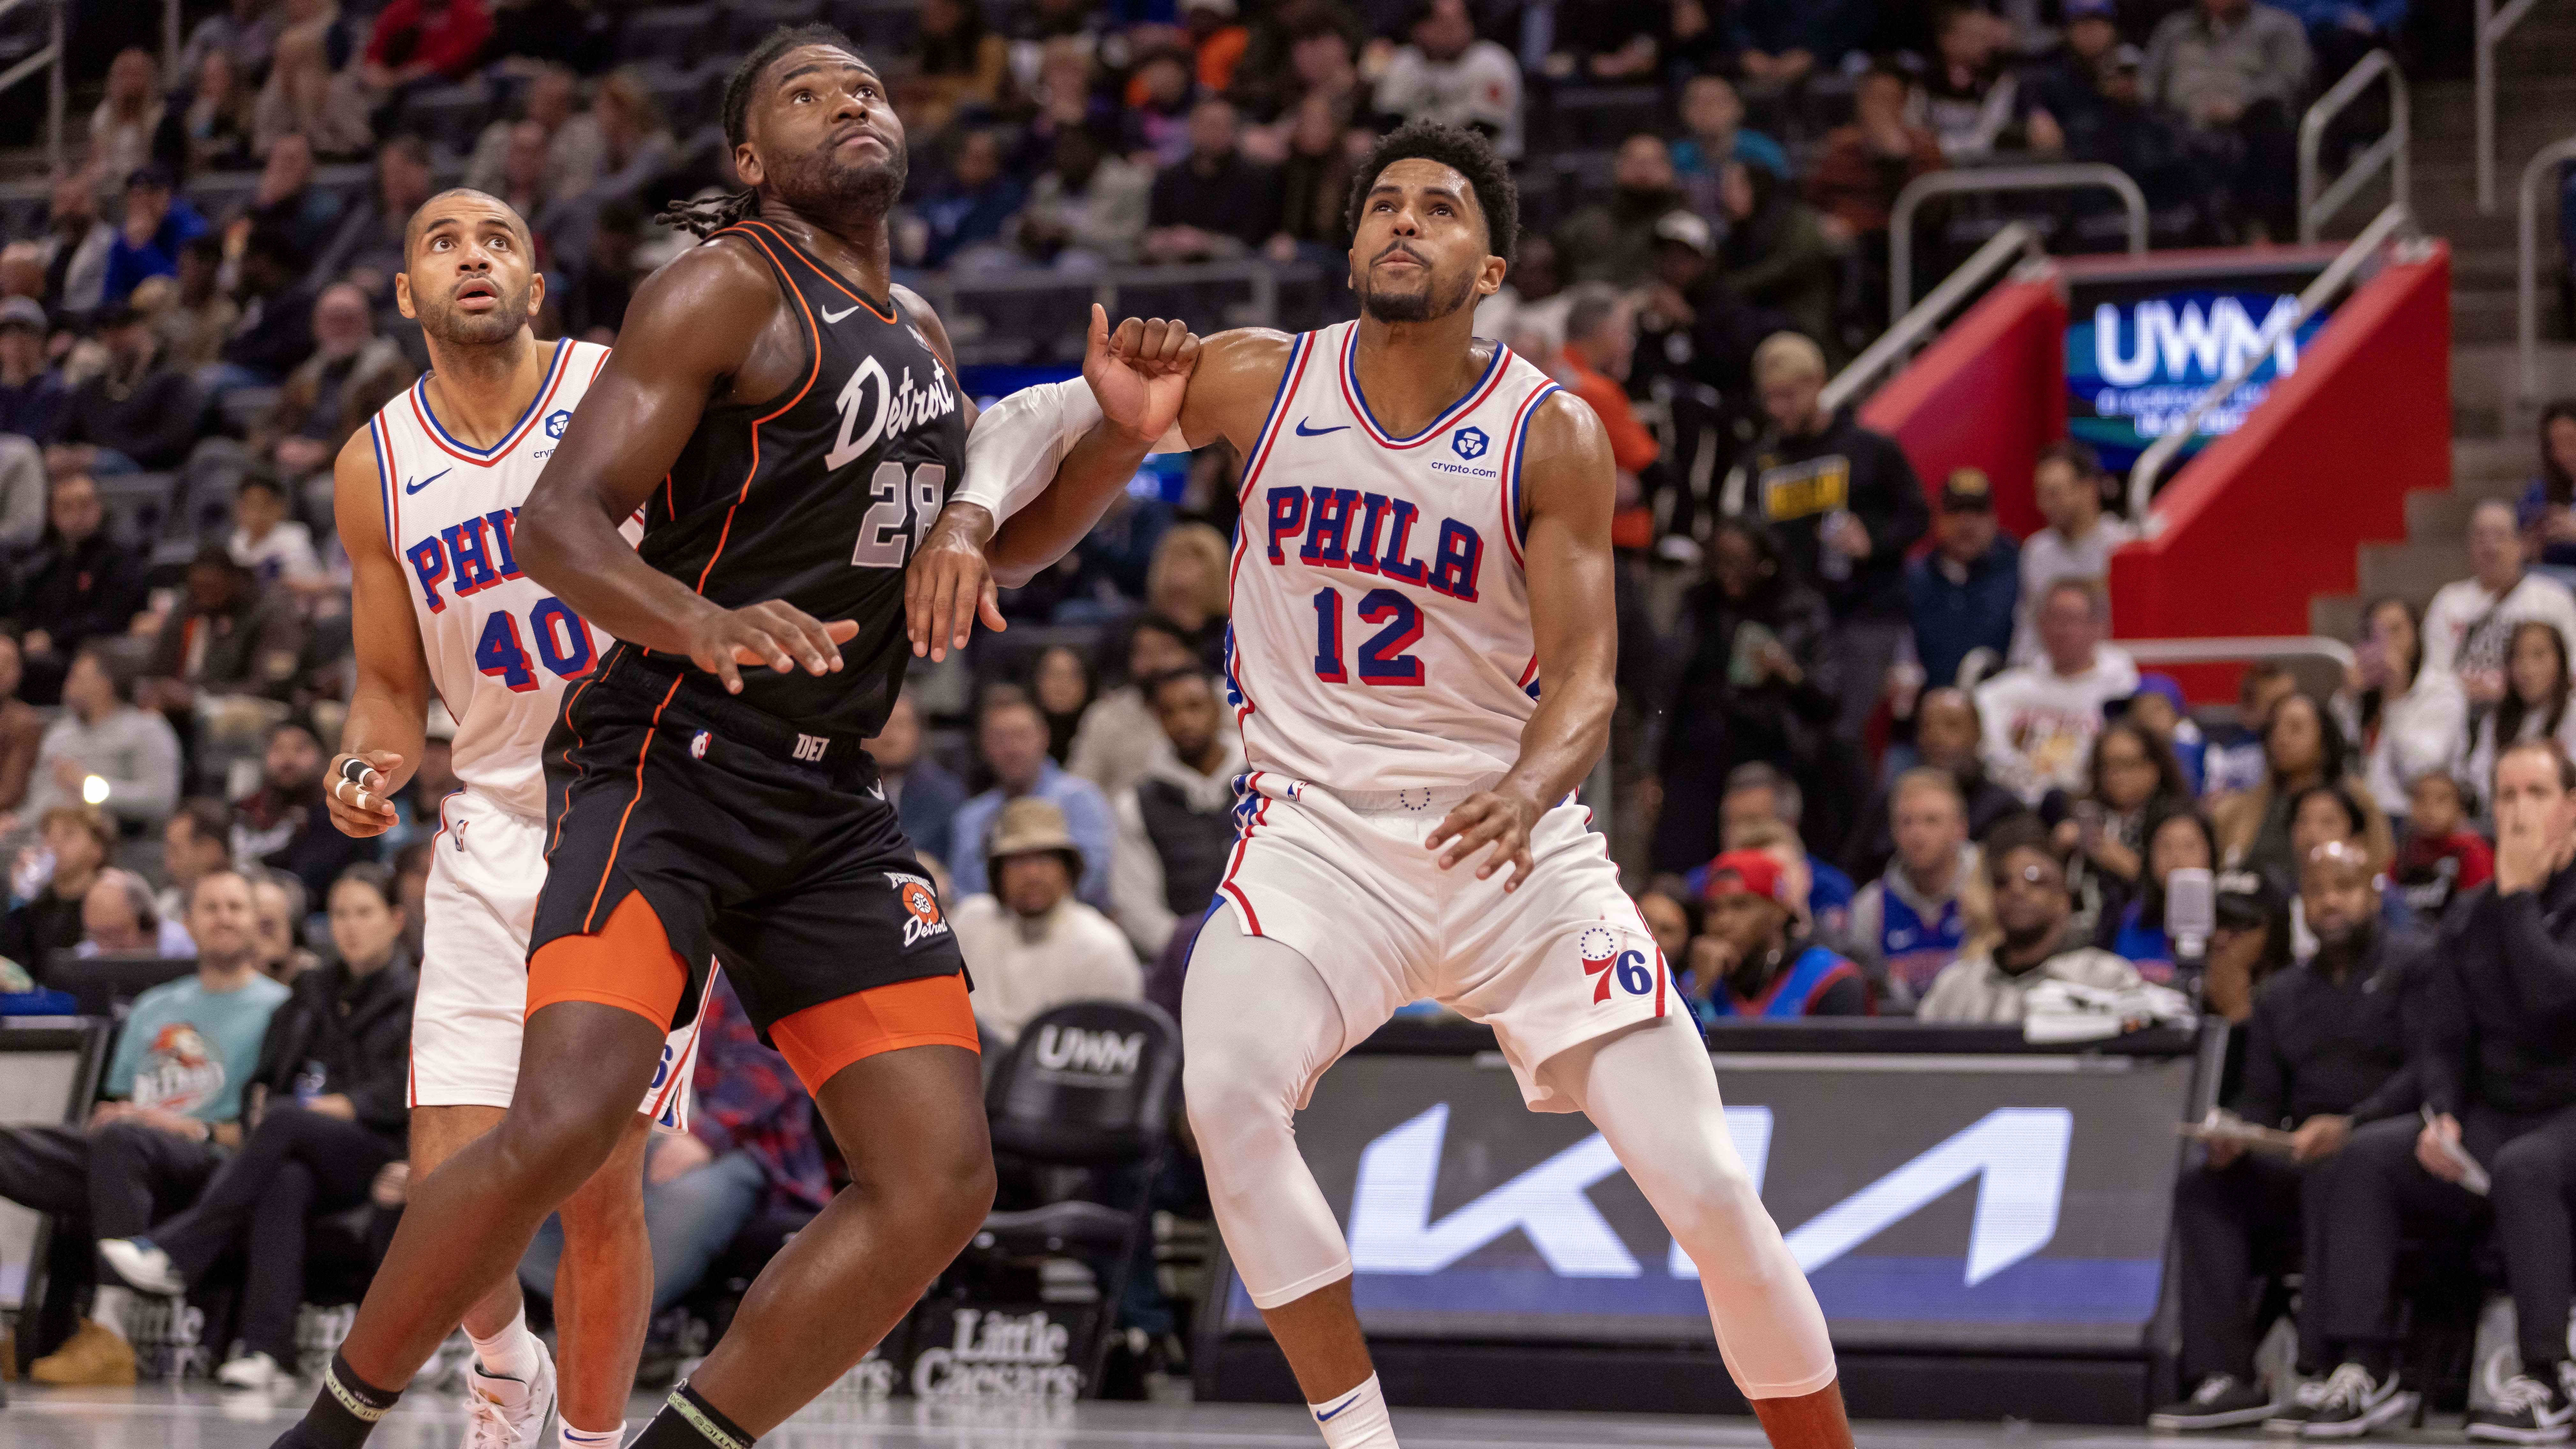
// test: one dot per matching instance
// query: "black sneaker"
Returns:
(2223, 1401)
(2350, 1404)
(2526, 1411)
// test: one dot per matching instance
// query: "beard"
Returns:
(1434, 300)
(2020, 940)
(819, 186)
(2345, 938)
(450, 324)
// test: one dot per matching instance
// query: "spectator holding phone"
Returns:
(2407, 719)
(2178, 838)
(2132, 778)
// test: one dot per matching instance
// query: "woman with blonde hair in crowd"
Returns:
(1187, 584)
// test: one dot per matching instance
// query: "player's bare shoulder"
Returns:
(357, 495)
(1566, 461)
(1238, 375)
(709, 310)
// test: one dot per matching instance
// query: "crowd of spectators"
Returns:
(1884, 758)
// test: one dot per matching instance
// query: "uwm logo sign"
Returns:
(1099, 1053)
(2017, 1157)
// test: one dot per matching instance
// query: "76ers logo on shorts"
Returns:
(1604, 957)
(921, 918)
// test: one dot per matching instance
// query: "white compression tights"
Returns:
(1261, 1026)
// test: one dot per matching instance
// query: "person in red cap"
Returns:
(1752, 961)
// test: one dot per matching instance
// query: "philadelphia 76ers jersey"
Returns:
(1380, 634)
(500, 648)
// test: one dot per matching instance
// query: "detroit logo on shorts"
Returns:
(921, 918)
(1602, 957)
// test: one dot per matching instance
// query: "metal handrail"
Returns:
(2019, 240)
(2391, 220)
(2526, 300)
(2229, 651)
(2390, 151)
(50, 60)
(2065, 176)
(2492, 27)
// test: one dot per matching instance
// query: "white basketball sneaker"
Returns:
(504, 1413)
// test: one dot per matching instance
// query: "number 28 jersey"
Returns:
(500, 648)
(816, 496)
(1380, 635)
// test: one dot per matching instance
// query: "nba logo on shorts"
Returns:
(698, 745)
(920, 907)
(1469, 442)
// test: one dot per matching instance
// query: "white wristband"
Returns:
(1018, 443)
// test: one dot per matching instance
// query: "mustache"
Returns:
(1395, 247)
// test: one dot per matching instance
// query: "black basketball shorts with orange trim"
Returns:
(769, 850)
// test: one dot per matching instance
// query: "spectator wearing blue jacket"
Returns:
(1963, 593)
(1013, 736)
(975, 208)
(158, 222)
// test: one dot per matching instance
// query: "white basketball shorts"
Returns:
(487, 865)
(1344, 880)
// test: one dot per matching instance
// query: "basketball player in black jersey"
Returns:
(790, 422)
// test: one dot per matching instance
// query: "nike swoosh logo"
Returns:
(1304, 431)
(831, 316)
(1325, 1415)
(425, 482)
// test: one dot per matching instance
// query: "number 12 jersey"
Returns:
(1380, 634)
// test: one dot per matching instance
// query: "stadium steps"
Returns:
(2488, 460)
(2492, 447)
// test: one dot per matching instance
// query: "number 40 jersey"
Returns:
(500, 648)
(1380, 634)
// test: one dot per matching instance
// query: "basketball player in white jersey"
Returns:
(1421, 658)
(426, 499)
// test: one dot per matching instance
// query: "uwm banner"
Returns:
(1958, 1201)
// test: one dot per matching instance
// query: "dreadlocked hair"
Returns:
(709, 215)
(1466, 152)
(713, 214)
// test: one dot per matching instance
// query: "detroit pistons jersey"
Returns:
(817, 496)
(500, 648)
(1380, 635)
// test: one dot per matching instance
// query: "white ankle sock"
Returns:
(1355, 1420)
(511, 1353)
(108, 1308)
(572, 1438)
